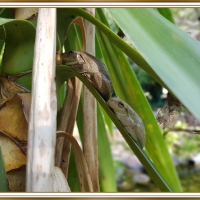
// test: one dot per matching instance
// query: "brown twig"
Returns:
(181, 130)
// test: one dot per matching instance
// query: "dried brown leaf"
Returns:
(26, 104)
(17, 179)
(12, 119)
(8, 89)
(25, 13)
(168, 114)
(12, 155)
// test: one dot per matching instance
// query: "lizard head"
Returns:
(117, 105)
(72, 58)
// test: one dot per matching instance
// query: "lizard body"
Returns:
(129, 119)
(92, 68)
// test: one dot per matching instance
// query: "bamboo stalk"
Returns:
(42, 125)
(90, 113)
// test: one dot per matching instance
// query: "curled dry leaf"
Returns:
(12, 119)
(81, 165)
(13, 123)
(26, 104)
(12, 155)
(22, 145)
(25, 13)
(8, 89)
(168, 114)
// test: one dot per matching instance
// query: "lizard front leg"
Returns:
(88, 76)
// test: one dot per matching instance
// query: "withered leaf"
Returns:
(168, 114)
(8, 89)
(12, 155)
(17, 179)
(26, 104)
(12, 119)
(21, 144)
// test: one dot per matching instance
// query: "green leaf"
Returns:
(18, 54)
(3, 182)
(74, 38)
(171, 53)
(128, 89)
(79, 117)
(7, 13)
(165, 12)
(25, 81)
(106, 166)
(108, 122)
(72, 178)
(64, 20)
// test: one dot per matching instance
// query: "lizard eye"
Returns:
(71, 52)
(121, 105)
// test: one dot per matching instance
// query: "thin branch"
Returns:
(181, 130)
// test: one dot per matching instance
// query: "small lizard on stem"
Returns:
(92, 68)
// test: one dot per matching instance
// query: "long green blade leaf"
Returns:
(165, 12)
(128, 88)
(106, 166)
(171, 53)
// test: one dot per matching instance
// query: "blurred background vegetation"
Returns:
(183, 144)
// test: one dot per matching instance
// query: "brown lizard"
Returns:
(92, 68)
